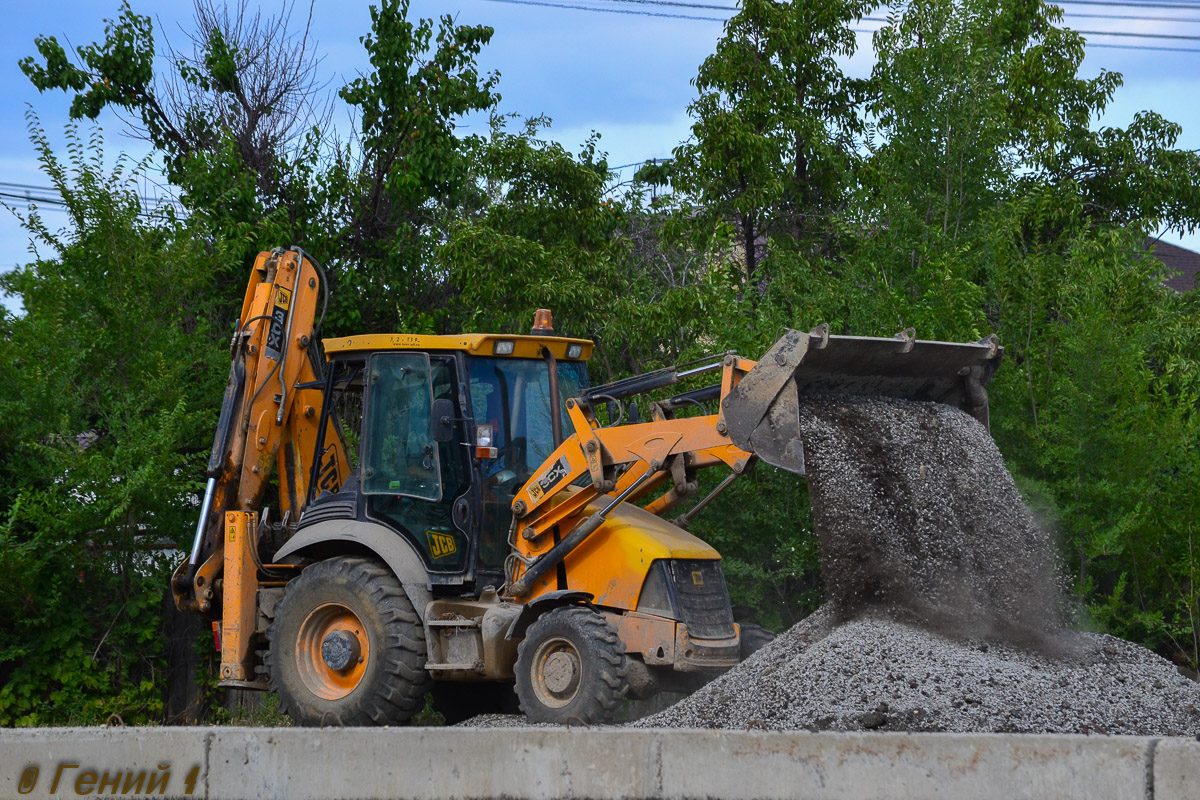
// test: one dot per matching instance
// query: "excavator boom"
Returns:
(269, 416)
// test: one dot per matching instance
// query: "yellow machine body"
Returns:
(613, 562)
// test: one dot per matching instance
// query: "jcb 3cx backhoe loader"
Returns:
(454, 516)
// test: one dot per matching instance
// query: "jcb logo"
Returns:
(329, 479)
(441, 544)
(283, 298)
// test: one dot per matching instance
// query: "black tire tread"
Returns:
(400, 691)
(600, 699)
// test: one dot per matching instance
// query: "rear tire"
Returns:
(346, 647)
(571, 666)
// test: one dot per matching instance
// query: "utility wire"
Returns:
(607, 10)
(676, 3)
(47, 195)
(1177, 6)
(653, 161)
(1136, 18)
(1145, 47)
(1182, 7)
(1133, 17)
(572, 7)
(1141, 35)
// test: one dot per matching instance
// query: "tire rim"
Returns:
(324, 621)
(557, 671)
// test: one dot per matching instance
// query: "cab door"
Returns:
(410, 481)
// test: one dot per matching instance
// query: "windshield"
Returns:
(513, 396)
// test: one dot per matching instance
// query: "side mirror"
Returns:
(443, 420)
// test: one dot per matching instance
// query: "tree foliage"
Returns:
(775, 121)
(965, 188)
(100, 454)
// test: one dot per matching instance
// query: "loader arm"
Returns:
(758, 417)
(270, 416)
(626, 461)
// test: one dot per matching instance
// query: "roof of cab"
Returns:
(476, 344)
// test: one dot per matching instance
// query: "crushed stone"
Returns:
(880, 674)
(918, 519)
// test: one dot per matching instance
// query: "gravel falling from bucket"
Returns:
(918, 519)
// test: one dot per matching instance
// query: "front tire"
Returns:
(571, 666)
(347, 647)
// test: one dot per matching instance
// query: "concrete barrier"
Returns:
(536, 763)
(1177, 768)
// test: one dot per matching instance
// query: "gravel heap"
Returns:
(880, 674)
(918, 518)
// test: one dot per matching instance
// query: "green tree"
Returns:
(414, 172)
(992, 203)
(243, 128)
(773, 138)
(233, 119)
(100, 453)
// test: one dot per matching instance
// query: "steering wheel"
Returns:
(513, 453)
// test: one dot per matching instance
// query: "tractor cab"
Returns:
(440, 432)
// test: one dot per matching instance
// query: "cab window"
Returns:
(400, 456)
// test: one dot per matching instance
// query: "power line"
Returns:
(48, 195)
(676, 3)
(572, 7)
(607, 10)
(1145, 47)
(1178, 6)
(1185, 20)
(1133, 17)
(653, 161)
(1140, 35)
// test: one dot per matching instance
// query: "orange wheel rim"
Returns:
(334, 622)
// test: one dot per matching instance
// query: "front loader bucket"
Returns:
(762, 412)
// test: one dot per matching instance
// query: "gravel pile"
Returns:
(918, 518)
(879, 674)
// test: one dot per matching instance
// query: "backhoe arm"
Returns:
(626, 461)
(269, 416)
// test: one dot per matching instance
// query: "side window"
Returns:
(339, 456)
(400, 456)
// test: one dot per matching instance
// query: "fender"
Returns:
(386, 544)
(543, 603)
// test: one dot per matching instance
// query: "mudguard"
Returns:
(534, 609)
(391, 548)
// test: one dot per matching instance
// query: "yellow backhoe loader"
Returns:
(454, 516)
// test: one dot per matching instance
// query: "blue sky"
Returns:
(625, 76)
